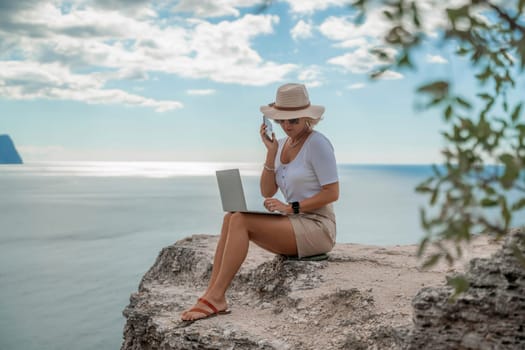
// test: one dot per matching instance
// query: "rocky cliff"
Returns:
(490, 315)
(361, 298)
(8, 152)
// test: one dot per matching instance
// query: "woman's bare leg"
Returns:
(272, 233)
(218, 253)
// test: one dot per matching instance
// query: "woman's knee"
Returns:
(237, 222)
(227, 218)
(226, 224)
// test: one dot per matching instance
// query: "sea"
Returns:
(76, 237)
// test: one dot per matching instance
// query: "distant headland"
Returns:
(8, 152)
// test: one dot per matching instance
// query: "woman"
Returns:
(302, 165)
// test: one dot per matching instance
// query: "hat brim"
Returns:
(312, 111)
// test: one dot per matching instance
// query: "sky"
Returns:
(136, 80)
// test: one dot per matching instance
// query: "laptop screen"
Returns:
(230, 188)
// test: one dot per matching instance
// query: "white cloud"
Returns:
(436, 59)
(214, 8)
(302, 30)
(220, 8)
(356, 86)
(311, 76)
(343, 28)
(207, 8)
(435, 15)
(223, 53)
(353, 43)
(390, 75)
(360, 39)
(96, 42)
(360, 61)
(33, 80)
(310, 6)
(201, 92)
(99, 45)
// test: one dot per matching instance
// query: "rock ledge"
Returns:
(361, 298)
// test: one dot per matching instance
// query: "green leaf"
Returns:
(457, 13)
(487, 202)
(415, 15)
(393, 37)
(518, 205)
(380, 53)
(437, 87)
(435, 194)
(423, 246)
(463, 51)
(505, 212)
(436, 170)
(489, 190)
(459, 283)
(448, 112)
(507, 216)
(360, 4)
(506, 159)
(518, 255)
(483, 76)
(435, 101)
(486, 97)
(423, 189)
(423, 218)
(463, 103)
(517, 110)
(405, 61)
(508, 78)
(483, 130)
(511, 170)
(377, 74)
(432, 260)
(496, 60)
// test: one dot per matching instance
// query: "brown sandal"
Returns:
(207, 313)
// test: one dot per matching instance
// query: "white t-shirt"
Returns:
(313, 167)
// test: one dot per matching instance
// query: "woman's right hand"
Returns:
(271, 145)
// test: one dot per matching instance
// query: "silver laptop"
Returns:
(232, 193)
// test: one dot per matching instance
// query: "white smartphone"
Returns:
(269, 128)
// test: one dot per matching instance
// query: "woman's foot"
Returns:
(205, 307)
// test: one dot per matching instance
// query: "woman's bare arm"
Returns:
(267, 184)
(328, 194)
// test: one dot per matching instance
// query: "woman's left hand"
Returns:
(273, 204)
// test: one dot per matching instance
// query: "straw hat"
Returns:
(291, 102)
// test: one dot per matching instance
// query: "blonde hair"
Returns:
(311, 122)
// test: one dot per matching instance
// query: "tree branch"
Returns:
(505, 16)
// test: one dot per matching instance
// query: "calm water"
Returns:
(75, 238)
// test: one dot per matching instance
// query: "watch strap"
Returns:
(295, 207)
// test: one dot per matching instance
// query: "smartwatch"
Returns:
(295, 207)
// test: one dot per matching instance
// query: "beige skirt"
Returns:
(315, 231)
